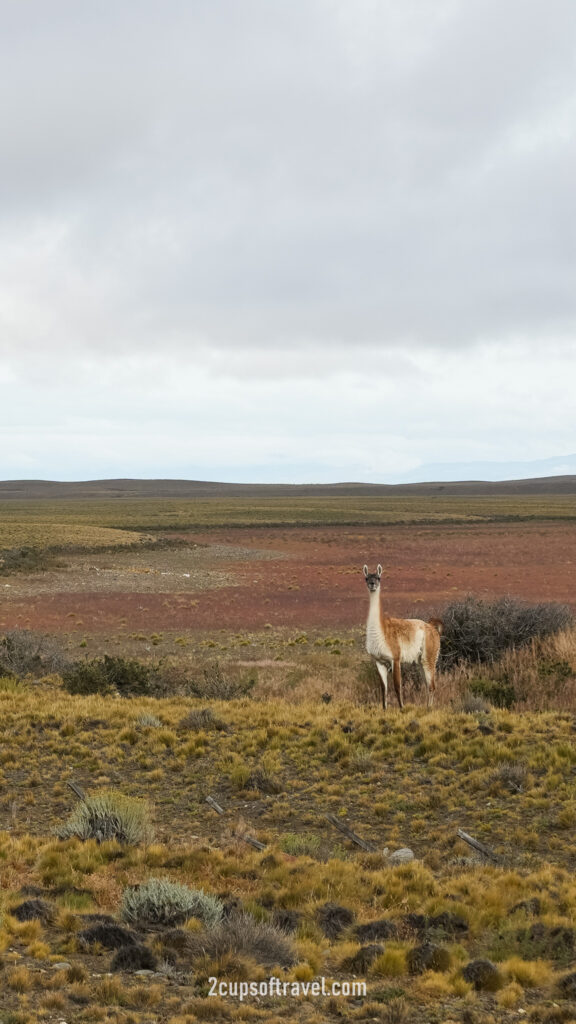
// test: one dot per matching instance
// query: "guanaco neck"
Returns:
(375, 616)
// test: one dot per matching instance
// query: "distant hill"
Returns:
(109, 489)
(520, 469)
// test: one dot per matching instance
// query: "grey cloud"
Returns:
(316, 172)
(340, 194)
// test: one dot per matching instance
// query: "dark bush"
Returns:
(381, 929)
(26, 559)
(134, 958)
(483, 975)
(34, 910)
(445, 924)
(203, 719)
(362, 959)
(242, 934)
(567, 985)
(448, 923)
(532, 906)
(216, 686)
(428, 957)
(125, 676)
(23, 653)
(548, 942)
(333, 919)
(261, 780)
(286, 920)
(111, 936)
(480, 631)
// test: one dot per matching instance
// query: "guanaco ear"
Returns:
(365, 570)
(378, 571)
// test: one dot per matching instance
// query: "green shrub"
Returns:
(300, 844)
(109, 815)
(479, 631)
(126, 676)
(497, 692)
(160, 901)
(10, 684)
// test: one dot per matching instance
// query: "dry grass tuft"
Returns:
(109, 815)
(242, 934)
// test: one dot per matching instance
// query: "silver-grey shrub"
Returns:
(160, 901)
(109, 815)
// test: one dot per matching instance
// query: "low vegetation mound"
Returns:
(26, 559)
(134, 958)
(242, 935)
(475, 630)
(109, 815)
(333, 919)
(24, 653)
(203, 720)
(162, 902)
(109, 935)
(34, 910)
(106, 675)
(215, 685)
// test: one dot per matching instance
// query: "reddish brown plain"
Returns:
(304, 578)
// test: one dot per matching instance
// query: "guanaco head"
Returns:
(373, 578)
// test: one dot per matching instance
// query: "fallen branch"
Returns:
(77, 790)
(476, 845)
(248, 839)
(369, 847)
(214, 805)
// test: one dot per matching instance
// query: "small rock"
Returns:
(63, 966)
(401, 856)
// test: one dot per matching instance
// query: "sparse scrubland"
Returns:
(180, 893)
(124, 894)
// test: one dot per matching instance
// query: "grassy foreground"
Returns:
(278, 765)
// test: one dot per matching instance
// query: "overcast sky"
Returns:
(286, 240)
